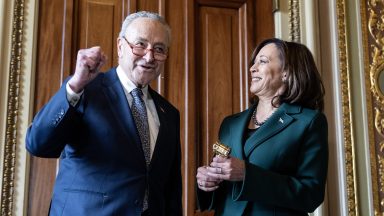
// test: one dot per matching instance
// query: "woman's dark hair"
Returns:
(303, 83)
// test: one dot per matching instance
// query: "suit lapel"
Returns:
(119, 105)
(237, 132)
(164, 124)
(277, 122)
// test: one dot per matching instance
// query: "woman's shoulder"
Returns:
(301, 112)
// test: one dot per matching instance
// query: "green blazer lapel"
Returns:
(277, 122)
(237, 132)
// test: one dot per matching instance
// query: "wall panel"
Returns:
(99, 25)
(205, 77)
(218, 75)
(47, 80)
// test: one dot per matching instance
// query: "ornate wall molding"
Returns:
(373, 36)
(8, 174)
(294, 21)
(350, 162)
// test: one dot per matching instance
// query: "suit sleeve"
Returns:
(174, 204)
(52, 127)
(302, 191)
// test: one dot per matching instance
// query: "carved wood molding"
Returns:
(350, 162)
(12, 110)
(294, 21)
(373, 36)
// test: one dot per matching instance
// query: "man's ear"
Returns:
(119, 45)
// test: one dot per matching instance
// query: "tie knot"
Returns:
(137, 93)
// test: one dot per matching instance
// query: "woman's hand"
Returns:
(206, 182)
(230, 169)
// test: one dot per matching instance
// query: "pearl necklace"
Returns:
(257, 123)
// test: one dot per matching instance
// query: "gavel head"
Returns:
(221, 149)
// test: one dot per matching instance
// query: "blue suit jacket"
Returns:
(286, 163)
(102, 165)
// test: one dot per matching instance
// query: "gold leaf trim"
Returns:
(347, 111)
(294, 21)
(372, 147)
(12, 110)
(374, 49)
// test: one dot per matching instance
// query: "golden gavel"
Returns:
(221, 149)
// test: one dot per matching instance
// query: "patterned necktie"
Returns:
(139, 112)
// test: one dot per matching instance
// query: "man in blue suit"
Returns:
(111, 162)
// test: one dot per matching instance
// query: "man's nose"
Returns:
(149, 56)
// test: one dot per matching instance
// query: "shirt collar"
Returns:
(128, 85)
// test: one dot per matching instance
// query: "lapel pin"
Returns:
(161, 108)
(281, 120)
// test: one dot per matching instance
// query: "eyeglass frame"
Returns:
(146, 50)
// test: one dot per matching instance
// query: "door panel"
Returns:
(219, 77)
(47, 81)
(205, 77)
(99, 25)
(226, 38)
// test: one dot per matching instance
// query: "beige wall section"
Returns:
(324, 44)
(309, 24)
(26, 89)
(309, 35)
(359, 108)
(328, 48)
(282, 20)
(336, 186)
(330, 63)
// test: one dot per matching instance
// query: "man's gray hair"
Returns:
(144, 14)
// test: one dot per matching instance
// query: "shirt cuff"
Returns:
(72, 96)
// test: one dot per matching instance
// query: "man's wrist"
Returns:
(73, 87)
(72, 96)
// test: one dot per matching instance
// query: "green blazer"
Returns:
(286, 163)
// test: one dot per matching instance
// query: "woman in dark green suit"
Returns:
(279, 158)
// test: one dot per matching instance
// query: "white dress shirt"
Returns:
(128, 86)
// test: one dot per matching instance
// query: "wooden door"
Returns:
(206, 74)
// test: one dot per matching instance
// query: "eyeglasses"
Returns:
(159, 53)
